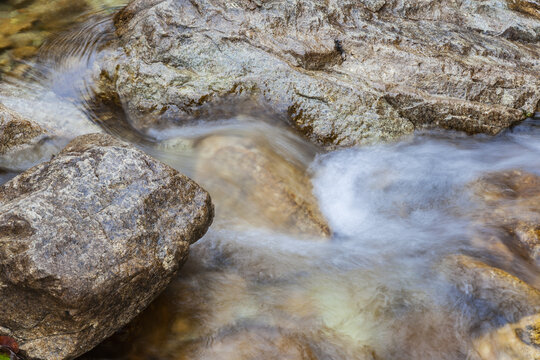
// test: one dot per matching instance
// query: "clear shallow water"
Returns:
(6, 176)
(376, 287)
(375, 290)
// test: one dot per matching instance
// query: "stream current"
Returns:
(255, 289)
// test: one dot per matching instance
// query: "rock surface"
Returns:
(248, 178)
(47, 121)
(19, 138)
(88, 240)
(492, 289)
(510, 203)
(519, 341)
(507, 309)
(17, 131)
(344, 72)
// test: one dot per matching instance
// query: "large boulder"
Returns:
(343, 72)
(88, 240)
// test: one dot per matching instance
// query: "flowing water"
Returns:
(257, 288)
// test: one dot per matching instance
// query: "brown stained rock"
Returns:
(16, 132)
(248, 178)
(23, 143)
(531, 7)
(504, 293)
(88, 240)
(344, 72)
(518, 341)
(510, 202)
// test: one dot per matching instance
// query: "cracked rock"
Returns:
(88, 240)
(343, 72)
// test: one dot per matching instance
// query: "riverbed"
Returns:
(255, 287)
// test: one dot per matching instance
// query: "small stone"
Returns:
(24, 52)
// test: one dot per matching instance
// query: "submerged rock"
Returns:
(214, 311)
(26, 24)
(344, 72)
(260, 342)
(492, 289)
(510, 203)
(235, 299)
(507, 309)
(248, 178)
(20, 141)
(519, 341)
(40, 123)
(88, 240)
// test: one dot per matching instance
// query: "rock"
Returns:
(492, 289)
(531, 7)
(88, 240)
(20, 141)
(251, 181)
(510, 202)
(519, 341)
(58, 121)
(343, 72)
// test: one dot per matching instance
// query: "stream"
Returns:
(255, 287)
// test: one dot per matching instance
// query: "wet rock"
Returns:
(53, 121)
(531, 7)
(19, 141)
(510, 202)
(343, 72)
(88, 240)
(47, 109)
(519, 341)
(492, 289)
(248, 178)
